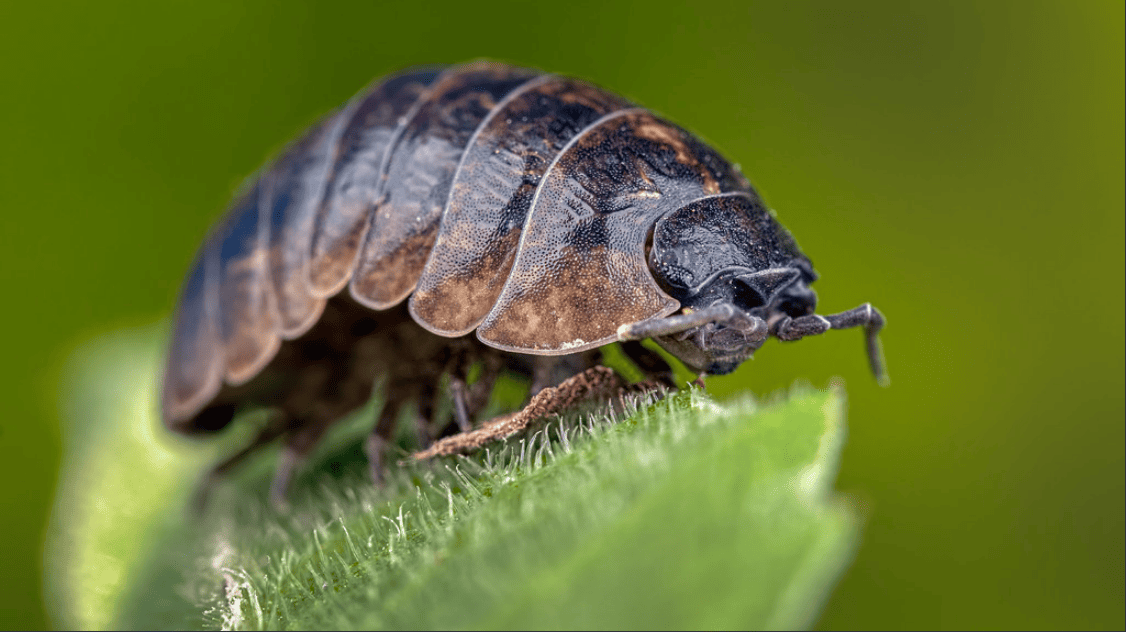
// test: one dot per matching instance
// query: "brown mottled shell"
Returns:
(496, 198)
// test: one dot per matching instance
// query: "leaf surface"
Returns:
(683, 513)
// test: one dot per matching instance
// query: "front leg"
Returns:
(651, 363)
(459, 393)
(397, 395)
(468, 401)
(594, 383)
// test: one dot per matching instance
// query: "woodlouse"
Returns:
(548, 215)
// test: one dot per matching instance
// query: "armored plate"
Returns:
(356, 180)
(421, 167)
(247, 316)
(294, 188)
(580, 270)
(195, 365)
(506, 200)
(721, 234)
(492, 193)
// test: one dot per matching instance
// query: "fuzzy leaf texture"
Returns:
(682, 513)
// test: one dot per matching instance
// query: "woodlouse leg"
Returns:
(549, 371)
(424, 420)
(790, 329)
(375, 446)
(650, 362)
(594, 383)
(479, 392)
(468, 400)
(296, 452)
(459, 393)
(288, 462)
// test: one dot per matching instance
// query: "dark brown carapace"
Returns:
(485, 215)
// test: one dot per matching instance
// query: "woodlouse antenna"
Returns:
(790, 329)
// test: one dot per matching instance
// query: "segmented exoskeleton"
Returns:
(480, 213)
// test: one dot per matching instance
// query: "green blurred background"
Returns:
(960, 165)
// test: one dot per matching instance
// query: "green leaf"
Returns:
(683, 513)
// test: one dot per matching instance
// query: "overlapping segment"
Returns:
(720, 234)
(247, 318)
(580, 270)
(194, 371)
(355, 181)
(491, 195)
(294, 188)
(421, 167)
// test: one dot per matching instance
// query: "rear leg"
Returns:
(469, 401)
(425, 418)
(459, 393)
(379, 440)
(588, 381)
(548, 371)
(296, 452)
(594, 383)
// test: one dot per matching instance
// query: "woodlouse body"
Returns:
(546, 215)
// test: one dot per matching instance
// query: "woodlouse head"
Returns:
(728, 257)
